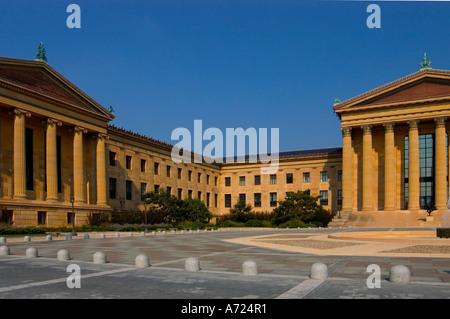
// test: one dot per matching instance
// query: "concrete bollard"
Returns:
(68, 237)
(319, 271)
(400, 275)
(130, 234)
(163, 232)
(249, 268)
(86, 236)
(48, 238)
(4, 250)
(27, 238)
(102, 235)
(99, 258)
(141, 261)
(31, 253)
(153, 233)
(192, 264)
(173, 232)
(117, 235)
(142, 234)
(63, 255)
(2, 240)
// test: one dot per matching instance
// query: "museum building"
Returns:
(61, 159)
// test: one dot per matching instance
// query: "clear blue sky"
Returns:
(248, 63)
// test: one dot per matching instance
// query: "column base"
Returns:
(18, 196)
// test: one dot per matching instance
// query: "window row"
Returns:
(289, 178)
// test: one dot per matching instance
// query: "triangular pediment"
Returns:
(38, 79)
(425, 85)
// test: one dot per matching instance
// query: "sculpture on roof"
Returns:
(40, 55)
(426, 62)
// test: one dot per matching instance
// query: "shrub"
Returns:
(254, 223)
(443, 232)
(294, 223)
(230, 223)
(22, 230)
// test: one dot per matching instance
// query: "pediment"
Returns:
(425, 85)
(38, 79)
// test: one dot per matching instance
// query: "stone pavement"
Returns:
(282, 273)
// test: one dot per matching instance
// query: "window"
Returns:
(199, 195)
(42, 218)
(129, 187)
(207, 179)
(227, 181)
(112, 158)
(306, 178)
(180, 193)
(215, 200)
(227, 200)
(168, 170)
(215, 180)
(257, 199)
(273, 199)
(199, 177)
(169, 190)
(189, 176)
(156, 188)
(143, 165)
(112, 188)
(190, 193)
(208, 195)
(257, 179)
(339, 176)
(273, 179)
(339, 197)
(324, 176)
(29, 158)
(70, 218)
(289, 178)
(241, 180)
(324, 198)
(242, 198)
(6, 216)
(128, 162)
(179, 173)
(156, 168)
(59, 162)
(143, 188)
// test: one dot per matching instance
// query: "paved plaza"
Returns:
(283, 273)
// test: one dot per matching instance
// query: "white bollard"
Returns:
(142, 233)
(102, 235)
(173, 232)
(117, 234)
(48, 238)
(163, 232)
(68, 237)
(27, 238)
(31, 253)
(153, 233)
(63, 255)
(141, 261)
(4, 251)
(130, 234)
(192, 264)
(86, 236)
(249, 268)
(2, 240)
(99, 258)
(400, 275)
(319, 271)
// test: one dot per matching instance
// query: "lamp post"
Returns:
(72, 200)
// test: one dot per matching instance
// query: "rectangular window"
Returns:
(257, 179)
(273, 199)
(112, 158)
(208, 197)
(324, 176)
(29, 158)
(129, 188)
(339, 197)
(112, 188)
(42, 218)
(227, 200)
(128, 162)
(257, 199)
(242, 198)
(199, 177)
(339, 176)
(241, 180)
(169, 190)
(156, 168)
(70, 218)
(143, 165)
(273, 179)
(180, 193)
(227, 181)
(179, 173)
(199, 195)
(189, 176)
(168, 170)
(190, 193)
(207, 179)
(306, 178)
(215, 180)
(143, 188)
(6, 216)
(289, 178)
(215, 200)
(324, 198)
(156, 188)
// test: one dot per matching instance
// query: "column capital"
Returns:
(52, 122)
(367, 129)
(440, 121)
(102, 137)
(389, 127)
(20, 112)
(346, 131)
(80, 129)
(413, 124)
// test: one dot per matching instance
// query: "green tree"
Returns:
(194, 209)
(300, 206)
(241, 212)
(164, 204)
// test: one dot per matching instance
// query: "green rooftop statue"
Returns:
(337, 100)
(426, 62)
(110, 109)
(40, 55)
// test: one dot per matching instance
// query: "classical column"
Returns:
(367, 187)
(347, 170)
(440, 164)
(78, 165)
(414, 174)
(101, 169)
(20, 175)
(390, 175)
(51, 160)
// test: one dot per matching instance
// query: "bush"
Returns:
(230, 223)
(443, 232)
(22, 230)
(254, 223)
(294, 223)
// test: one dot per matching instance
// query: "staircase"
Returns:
(340, 222)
